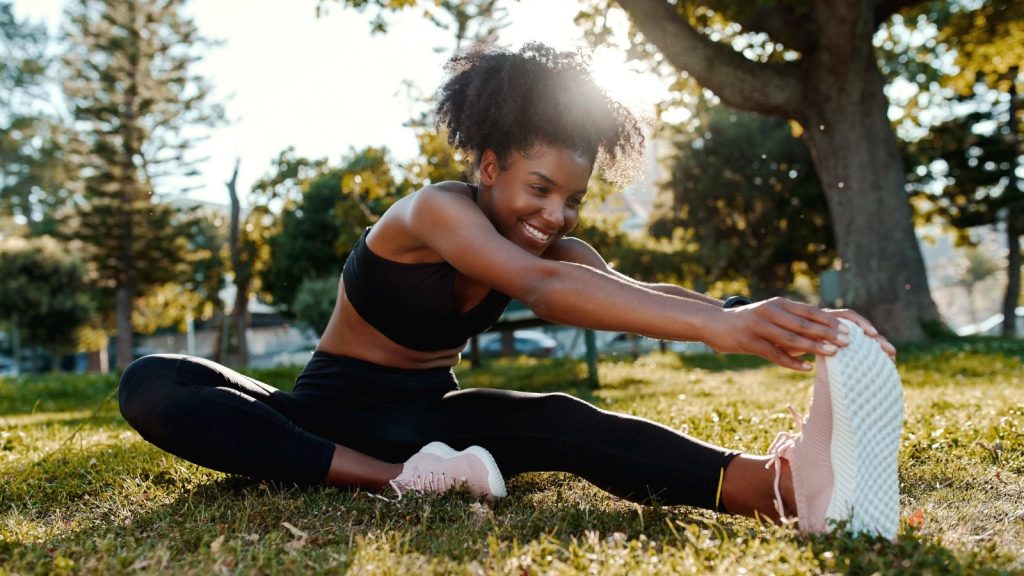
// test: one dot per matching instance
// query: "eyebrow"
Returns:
(551, 181)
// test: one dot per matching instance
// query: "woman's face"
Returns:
(535, 199)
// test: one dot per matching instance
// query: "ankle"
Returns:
(748, 487)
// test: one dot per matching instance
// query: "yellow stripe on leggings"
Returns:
(718, 494)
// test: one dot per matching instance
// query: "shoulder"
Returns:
(442, 196)
(571, 249)
(448, 188)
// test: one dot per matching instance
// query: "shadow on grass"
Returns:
(55, 392)
(532, 375)
(130, 507)
(723, 362)
(910, 553)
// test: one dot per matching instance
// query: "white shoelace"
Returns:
(783, 443)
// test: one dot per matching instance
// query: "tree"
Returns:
(43, 293)
(131, 87)
(318, 229)
(31, 140)
(314, 302)
(747, 189)
(976, 268)
(964, 174)
(814, 63)
(978, 146)
(474, 20)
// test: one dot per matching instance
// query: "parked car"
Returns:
(8, 367)
(623, 343)
(993, 325)
(296, 355)
(526, 343)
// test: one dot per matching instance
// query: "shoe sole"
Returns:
(495, 481)
(867, 411)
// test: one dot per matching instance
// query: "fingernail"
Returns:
(805, 366)
(829, 348)
(843, 329)
(843, 339)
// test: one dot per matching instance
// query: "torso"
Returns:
(348, 334)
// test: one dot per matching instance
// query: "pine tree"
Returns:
(137, 101)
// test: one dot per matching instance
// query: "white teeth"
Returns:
(536, 233)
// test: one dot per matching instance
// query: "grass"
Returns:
(81, 493)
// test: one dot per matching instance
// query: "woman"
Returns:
(440, 266)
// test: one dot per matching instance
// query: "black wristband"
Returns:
(736, 302)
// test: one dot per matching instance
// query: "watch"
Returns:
(736, 302)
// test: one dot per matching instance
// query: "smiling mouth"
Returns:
(537, 233)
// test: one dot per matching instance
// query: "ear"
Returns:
(489, 168)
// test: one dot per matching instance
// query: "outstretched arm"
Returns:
(578, 251)
(451, 225)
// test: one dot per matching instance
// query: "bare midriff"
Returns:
(347, 334)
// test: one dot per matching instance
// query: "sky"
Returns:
(325, 86)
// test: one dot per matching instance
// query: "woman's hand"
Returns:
(866, 326)
(781, 330)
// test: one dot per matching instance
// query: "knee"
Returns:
(561, 404)
(140, 384)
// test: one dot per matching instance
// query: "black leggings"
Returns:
(218, 418)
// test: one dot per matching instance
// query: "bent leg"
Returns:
(630, 457)
(217, 418)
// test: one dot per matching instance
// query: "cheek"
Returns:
(572, 216)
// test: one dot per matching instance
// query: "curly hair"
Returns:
(504, 101)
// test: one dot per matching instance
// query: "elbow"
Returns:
(543, 289)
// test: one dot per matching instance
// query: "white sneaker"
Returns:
(843, 460)
(438, 468)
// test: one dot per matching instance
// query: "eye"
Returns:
(539, 188)
(576, 200)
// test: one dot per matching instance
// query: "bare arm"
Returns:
(581, 295)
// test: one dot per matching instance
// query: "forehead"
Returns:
(567, 167)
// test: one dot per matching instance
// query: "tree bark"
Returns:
(1014, 229)
(240, 312)
(854, 149)
(836, 92)
(16, 341)
(1014, 215)
(124, 325)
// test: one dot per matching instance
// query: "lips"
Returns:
(536, 233)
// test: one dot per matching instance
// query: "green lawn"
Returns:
(81, 492)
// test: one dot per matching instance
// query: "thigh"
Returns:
(216, 417)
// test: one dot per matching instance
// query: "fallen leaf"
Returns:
(295, 531)
(300, 537)
(916, 520)
(215, 546)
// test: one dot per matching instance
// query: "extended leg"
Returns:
(220, 419)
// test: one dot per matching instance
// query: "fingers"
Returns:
(769, 351)
(868, 329)
(812, 322)
(799, 328)
(793, 344)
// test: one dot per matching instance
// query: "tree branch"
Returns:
(780, 22)
(886, 8)
(765, 88)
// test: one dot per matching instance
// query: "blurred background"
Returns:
(189, 177)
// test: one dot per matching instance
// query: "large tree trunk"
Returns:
(1014, 230)
(240, 312)
(124, 325)
(835, 91)
(856, 156)
(1014, 225)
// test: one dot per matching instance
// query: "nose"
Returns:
(553, 214)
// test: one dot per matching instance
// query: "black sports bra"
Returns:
(413, 304)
